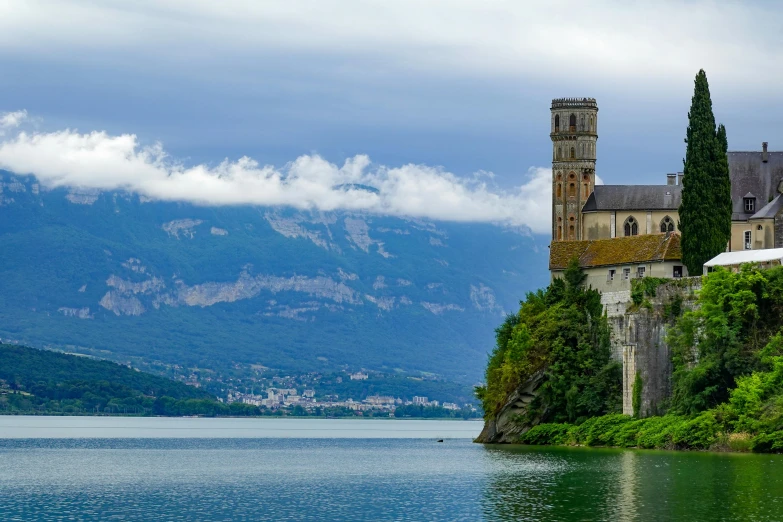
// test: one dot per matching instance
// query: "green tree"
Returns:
(705, 210)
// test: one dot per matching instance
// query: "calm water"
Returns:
(283, 469)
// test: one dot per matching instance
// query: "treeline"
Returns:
(40, 381)
(434, 412)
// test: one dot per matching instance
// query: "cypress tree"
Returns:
(705, 210)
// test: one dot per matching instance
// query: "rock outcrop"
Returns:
(506, 426)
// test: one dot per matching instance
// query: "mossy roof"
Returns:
(617, 251)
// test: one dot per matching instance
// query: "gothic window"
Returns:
(591, 124)
(573, 153)
(631, 227)
(582, 122)
(571, 190)
(557, 123)
(667, 225)
(559, 152)
(572, 123)
(559, 190)
(559, 229)
(586, 189)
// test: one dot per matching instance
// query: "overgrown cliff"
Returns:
(703, 369)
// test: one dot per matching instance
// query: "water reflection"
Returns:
(528, 483)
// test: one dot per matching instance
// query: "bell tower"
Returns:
(574, 133)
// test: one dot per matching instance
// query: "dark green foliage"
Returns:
(705, 210)
(645, 287)
(636, 400)
(40, 380)
(561, 332)
(738, 315)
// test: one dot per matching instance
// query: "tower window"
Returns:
(557, 123)
(573, 153)
(667, 225)
(631, 227)
(591, 124)
(571, 190)
(582, 123)
(559, 152)
(559, 190)
(572, 123)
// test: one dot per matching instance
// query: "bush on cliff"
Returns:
(561, 332)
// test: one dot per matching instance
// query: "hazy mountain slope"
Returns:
(187, 284)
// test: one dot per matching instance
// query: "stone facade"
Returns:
(638, 338)
(574, 133)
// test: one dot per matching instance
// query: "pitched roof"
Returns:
(749, 174)
(617, 251)
(634, 197)
(770, 210)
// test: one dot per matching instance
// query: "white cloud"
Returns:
(642, 43)
(98, 160)
(10, 120)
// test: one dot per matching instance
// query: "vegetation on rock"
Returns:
(727, 381)
(562, 332)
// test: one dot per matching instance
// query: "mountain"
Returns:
(119, 276)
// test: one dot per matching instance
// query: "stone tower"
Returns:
(574, 134)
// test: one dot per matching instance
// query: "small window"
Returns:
(667, 225)
(750, 205)
(557, 123)
(677, 271)
(572, 123)
(573, 153)
(747, 239)
(626, 273)
(610, 275)
(572, 190)
(759, 227)
(631, 227)
(640, 270)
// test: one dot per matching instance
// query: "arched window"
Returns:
(667, 225)
(559, 190)
(571, 228)
(557, 123)
(572, 123)
(631, 227)
(582, 122)
(573, 153)
(559, 229)
(572, 190)
(559, 152)
(591, 124)
(586, 190)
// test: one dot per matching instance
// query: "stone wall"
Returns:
(638, 338)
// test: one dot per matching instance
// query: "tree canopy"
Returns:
(705, 210)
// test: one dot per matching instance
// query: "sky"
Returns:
(441, 105)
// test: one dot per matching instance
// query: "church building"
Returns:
(621, 232)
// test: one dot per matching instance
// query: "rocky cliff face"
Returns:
(638, 337)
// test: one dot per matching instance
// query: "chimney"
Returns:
(764, 153)
(680, 175)
(671, 179)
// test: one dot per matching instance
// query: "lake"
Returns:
(111, 468)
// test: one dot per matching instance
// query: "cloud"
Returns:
(98, 160)
(638, 42)
(10, 120)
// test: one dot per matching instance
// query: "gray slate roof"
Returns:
(770, 210)
(749, 174)
(634, 197)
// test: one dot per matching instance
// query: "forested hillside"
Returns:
(34, 380)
